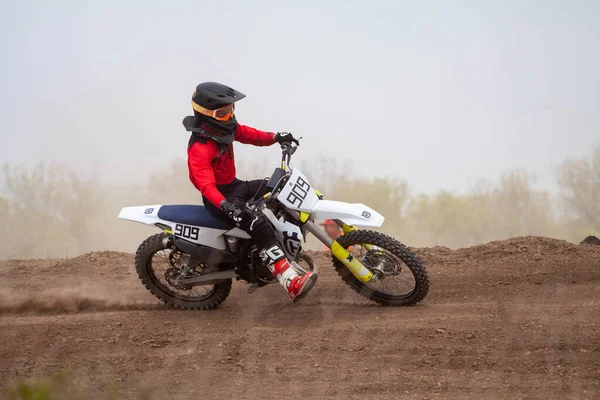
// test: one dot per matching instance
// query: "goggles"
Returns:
(220, 114)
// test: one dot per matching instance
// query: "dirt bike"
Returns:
(201, 254)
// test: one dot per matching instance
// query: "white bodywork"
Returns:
(196, 234)
(355, 214)
(289, 235)
(297, 195)
(144, 214)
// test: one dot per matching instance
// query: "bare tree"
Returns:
(49, 207)
(520, 208)
(579, 180)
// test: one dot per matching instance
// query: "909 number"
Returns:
(188, 232)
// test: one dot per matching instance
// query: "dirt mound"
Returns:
(519, 248)
(528, 259)
(591, 240)
(508, 319)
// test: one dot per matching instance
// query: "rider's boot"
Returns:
(296, 285)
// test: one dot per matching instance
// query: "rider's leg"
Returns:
(296, 285)
(263, 235)
(237, 192)
(244, 191)
(229, 191)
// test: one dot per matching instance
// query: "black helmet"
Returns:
(213, 95)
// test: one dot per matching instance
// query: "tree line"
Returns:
(50, 210)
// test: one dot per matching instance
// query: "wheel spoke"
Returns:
(165, 264)
(386, 266)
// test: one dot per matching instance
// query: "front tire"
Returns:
(394, 250)
(144, 257)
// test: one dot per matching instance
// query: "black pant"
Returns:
(239, 192)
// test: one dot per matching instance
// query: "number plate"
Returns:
(186, 231)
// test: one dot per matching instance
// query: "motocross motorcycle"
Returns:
(192, 263)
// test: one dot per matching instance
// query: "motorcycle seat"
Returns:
(194, 215)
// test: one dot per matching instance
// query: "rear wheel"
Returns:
(399, 277)
(159, 268)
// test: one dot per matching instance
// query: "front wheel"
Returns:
(399, 277)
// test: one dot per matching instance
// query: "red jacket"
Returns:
(208, 169)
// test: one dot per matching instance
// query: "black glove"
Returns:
(243, 218)
(285, 137)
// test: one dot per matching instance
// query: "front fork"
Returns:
(356, 268)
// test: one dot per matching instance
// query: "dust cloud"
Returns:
(67, 300)
(52, 211)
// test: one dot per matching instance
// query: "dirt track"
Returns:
(512, 319)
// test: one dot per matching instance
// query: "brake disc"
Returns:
(382, 264)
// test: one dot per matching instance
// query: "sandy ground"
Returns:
(512, 319)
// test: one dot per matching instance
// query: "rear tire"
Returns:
(143, 266)
(398, 250)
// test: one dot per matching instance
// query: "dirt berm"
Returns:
(513, 319)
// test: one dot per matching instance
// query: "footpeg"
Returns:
(252, 288)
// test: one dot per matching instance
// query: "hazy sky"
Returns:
(436, 92)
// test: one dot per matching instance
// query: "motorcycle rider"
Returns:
(212, 171)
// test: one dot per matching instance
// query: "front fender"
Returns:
(355, 214)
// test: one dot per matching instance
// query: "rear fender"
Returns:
(147, 215)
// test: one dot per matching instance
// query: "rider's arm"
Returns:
(248, 135)
(202, 174)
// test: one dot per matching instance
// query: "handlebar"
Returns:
(287, 149)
